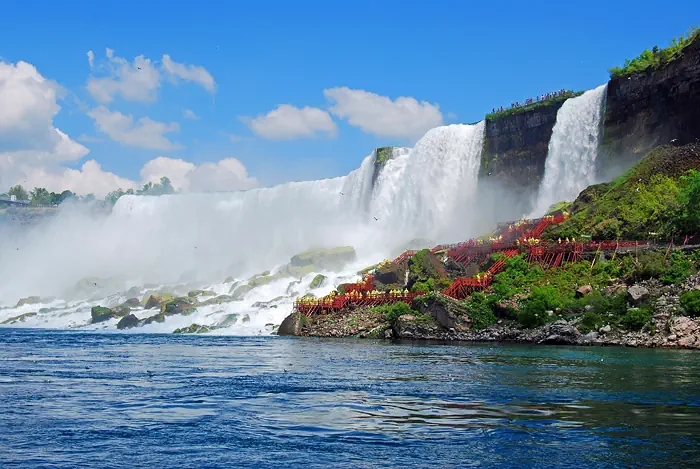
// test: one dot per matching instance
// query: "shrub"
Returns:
(426, 286)
(533, 313)
(590, 322)
(636, 318)
(393, 311)
(690, 301)
(480, 311)
(678, 268)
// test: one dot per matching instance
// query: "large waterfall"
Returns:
(573, 148)
(423, 192)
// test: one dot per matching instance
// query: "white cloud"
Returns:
(145, 133)
(225, 175)
(136, 81)
(91, 58)
(189, 114)
(88, 139)
(287, 122)
(403, 117)
(192, 73)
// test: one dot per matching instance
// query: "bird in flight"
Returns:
(138, 68)
(376, 219)
(342, 193)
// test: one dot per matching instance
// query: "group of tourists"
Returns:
(527, 102)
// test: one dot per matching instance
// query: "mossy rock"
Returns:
(20, 318)
(299, 272)
(240, 292)
(425, 266)
(318, 281)
(159, 318)
(325, 259)
(559, 207)
(368, 269)
(101, 314)
(228, 320)
(228, 279)
(30, 300)
(196, 293)
(260, 280)
(292, 324)
(246, 318)
(182, 305)
(390, 276)
(132, 303)
(192, 329)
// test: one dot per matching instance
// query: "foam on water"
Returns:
(195, 240)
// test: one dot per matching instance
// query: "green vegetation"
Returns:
(384, 154)
(690, 301)
(393, 311)
(426, 273)
(562, 206)
(658, 198)
(159, 188)
(19, 192)
(535, 105)
(656, 58)
(636, 318)
(480, 310)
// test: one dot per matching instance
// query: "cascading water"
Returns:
(573, 148)
(179, 242)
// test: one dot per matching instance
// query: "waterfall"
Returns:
(201, 238)
(573, 148)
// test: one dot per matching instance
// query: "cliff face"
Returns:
(515, 150)
(652, 108)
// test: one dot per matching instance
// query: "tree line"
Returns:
(41, 196)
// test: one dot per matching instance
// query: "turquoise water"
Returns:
(73, 399)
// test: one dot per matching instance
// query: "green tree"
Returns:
(689, 199)
(19, 192)
(40, 196)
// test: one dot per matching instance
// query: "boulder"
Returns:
(30, 300)
(292, 324)
(228, 279)
(423, 266)
(239, 292)
(20, 318)
(228, 320)
(132, 303)
(561, 333)
(193, 329)
(583, 291)
(637, 294)
(391, 276)
(127, 322)
(325, 259)
(216, 300)
(160, 318)
(318, 281)
(153, 301)
(182, 305)
(605, 329)
(101, 314)
(446, 311)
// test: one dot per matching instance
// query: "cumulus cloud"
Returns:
(193, 73)
(33, 151)
(144, 133)
(135, 81)
(189, 114)
(225, 175)
(287, 122)
(404, 117)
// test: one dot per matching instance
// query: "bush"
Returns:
(678, 268)
(533, 313)
(690, 301)
(480, 311)
(394, 311)
(636, 318)
(590, 322)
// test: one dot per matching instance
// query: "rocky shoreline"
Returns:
(442, 319)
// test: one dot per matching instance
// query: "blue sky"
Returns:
(465, 57)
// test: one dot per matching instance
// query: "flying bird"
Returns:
(376, 219)
(342, 193)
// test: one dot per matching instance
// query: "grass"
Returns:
(535, 105)
(656, 58)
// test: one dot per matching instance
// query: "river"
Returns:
(81, 399)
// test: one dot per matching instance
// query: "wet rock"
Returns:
(182, 305)
(292, 324)
(30, 300)
(132, 303)
(246, 318)
(590, 337)
(605, 329)
(583, 291)
(239, 292)
(159, 318)
(216, 301)
(637, 294)
(228, 279)
(193, 329)
(391, 276)
(153, 302)
(561, 332)
(196, 293)
(127, 322)
(325, 259)
(101, 314)
(228, 320)
(318, 281)
(20, 318)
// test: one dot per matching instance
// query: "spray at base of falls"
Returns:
(195, 240)
(573, 149)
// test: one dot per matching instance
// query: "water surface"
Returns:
(74, 399)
